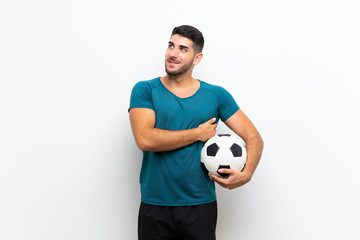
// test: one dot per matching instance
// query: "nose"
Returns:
(174, 52)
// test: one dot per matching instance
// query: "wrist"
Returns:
(196, 134)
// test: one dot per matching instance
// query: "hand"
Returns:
(234, 180)
(207, 130)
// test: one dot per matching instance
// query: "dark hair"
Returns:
(191, 33)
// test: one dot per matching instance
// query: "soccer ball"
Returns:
(223, 151)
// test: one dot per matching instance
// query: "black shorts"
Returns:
(177, 222)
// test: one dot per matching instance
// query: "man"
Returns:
(171, 118)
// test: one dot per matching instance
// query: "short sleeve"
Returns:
(141, 96)
(227, 104)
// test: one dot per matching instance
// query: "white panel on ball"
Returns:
(223, 151)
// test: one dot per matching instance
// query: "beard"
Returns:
(180, 71)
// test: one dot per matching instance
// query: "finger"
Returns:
(221, 181)
(218, 179)
(212, 120)
(226, 170)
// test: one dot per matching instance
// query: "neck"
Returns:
(182, 80)
(181, 86)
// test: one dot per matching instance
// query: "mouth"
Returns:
(172, 61)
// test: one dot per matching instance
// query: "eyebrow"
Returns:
(181, 46)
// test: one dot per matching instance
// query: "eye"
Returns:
(171, 46)
(183, 49)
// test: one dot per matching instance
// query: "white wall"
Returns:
(68, 162)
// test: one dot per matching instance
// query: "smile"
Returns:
(173, 61)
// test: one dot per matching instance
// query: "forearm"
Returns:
(254, 147)
(149, 138)
(243, 127)
(159, 140)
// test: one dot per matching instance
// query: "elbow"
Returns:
(257, 140)
(260, 142)
(143, 145)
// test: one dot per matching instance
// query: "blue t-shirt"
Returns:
(175, 178)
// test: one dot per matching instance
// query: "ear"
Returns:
(197, 58)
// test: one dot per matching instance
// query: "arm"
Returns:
(149, 138)
(243, 127)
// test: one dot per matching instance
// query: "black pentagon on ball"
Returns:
(224, 175)
(212, 150)
(224, 135)
(236, 150)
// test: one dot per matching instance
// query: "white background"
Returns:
(69, 165)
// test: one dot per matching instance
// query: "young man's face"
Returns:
(180, 55)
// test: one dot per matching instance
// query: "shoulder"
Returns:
(142, 94)
(147, 84)
(226, 103)
(216, 89)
